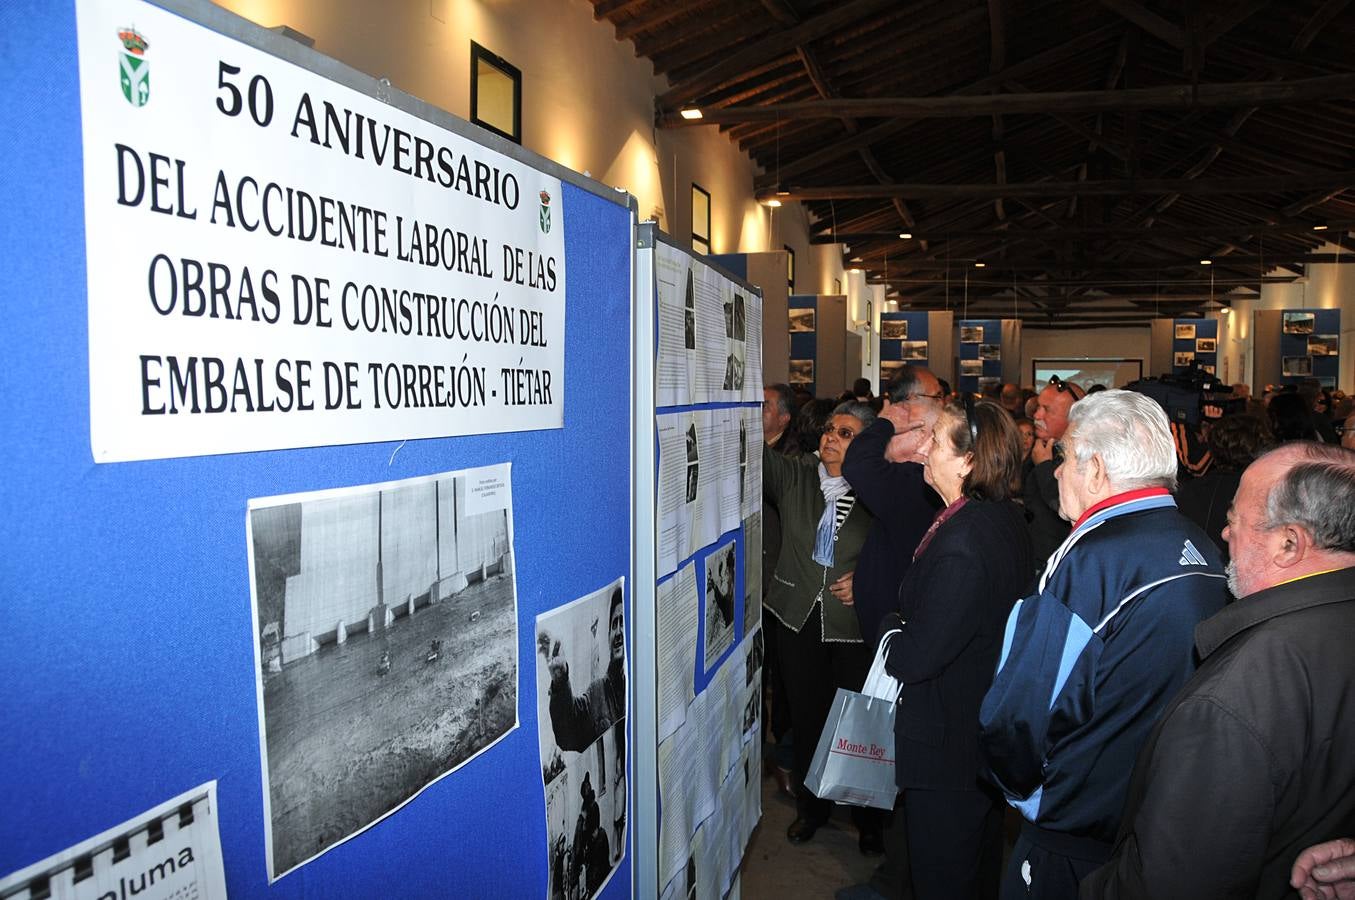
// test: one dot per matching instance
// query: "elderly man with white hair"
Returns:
(1092, 657)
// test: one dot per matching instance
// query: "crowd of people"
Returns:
(1141, 640)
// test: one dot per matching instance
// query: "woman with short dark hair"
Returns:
(810, 601)
(968, 571)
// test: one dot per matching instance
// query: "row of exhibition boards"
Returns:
(328, 573)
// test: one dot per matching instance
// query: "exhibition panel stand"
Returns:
(698, 647)
(318, 541)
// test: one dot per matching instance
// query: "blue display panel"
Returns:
(1310, 343)
(904, 340)
(131, 672)
(803, 341)
(980, 354)
(1195, 345)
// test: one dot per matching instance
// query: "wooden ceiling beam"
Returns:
(1053, 56)
(905, 264)
(1063, 234)
(1320, 19)
(1250, 185)
(1188, 97)
(1149, 21)
(770, 47)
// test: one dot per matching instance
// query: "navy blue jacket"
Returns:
(903, 506)
(1091, 659)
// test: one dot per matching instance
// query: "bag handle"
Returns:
(879, 683)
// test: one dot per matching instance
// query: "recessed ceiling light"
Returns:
(1319, 228)
(772, 202)
(904, 235)
(690, 112)
(980, 264)
(1206, 262)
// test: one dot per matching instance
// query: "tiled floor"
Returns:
(775, 869)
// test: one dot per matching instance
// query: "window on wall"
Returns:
(790, 268)
(700, 219)
(495, 94)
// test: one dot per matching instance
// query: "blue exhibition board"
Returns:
(1310, 343)
(980, 361)
(903, 341)
(130, 674)
(804, 345)
(1195, 342)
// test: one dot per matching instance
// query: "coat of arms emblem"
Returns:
(133, 69)
(545, 213)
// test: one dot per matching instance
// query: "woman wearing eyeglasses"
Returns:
(968, 571)
(810, 599)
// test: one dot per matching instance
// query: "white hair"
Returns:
(1130, 433)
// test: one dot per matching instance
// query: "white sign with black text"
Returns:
(276, 260)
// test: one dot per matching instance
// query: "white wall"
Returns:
(1327, 286)
(588, 103)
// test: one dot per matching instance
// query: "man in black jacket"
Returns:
(1251, 762)
(882, 466)
(1047, 527)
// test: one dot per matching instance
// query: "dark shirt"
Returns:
(1205, 501)
(903, 505)
(1041, 491)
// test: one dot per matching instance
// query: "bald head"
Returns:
(1293, 516)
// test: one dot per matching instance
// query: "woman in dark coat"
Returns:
(967, 573)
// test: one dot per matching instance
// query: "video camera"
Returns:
(1184, 397)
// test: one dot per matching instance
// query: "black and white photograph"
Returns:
(894, 330)
(689, 315)
(580, 672)
(971, 367)
(740, 319)
(743, 462)
(720, 595)
(1208, 370)
(1206, 345)
(386, 645)
(987, 381)
(971, 334)
(734, 366)
(990, 351)
(586, 818)
(1299, 323)
(1185, 332)
(1297, 365)
(1183, 358)
(889, 369)
(914, 350)
(802, 371)
(752, 573)
(1323, 345)
(692, 447)
(801, 320)
(693, 482)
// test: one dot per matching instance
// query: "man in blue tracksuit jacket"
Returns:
(1091, 659)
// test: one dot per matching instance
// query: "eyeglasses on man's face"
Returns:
(845, 434)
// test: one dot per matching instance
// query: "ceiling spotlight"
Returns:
(979, 264)
(1319, 228)
(690, 113)
(856, 259)
(1206, 262)
(855, 271)
(904, 235)
(1225, 310)
(771, 202)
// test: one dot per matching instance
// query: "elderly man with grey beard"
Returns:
(1252, 762)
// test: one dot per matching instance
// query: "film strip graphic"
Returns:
(168, 854)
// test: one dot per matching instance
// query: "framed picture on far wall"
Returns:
(1185, 332)
(1298, 366)
(971, 367)
(802, 371)
(1299, 322)
(1323, 345)
(801, 320)
(894, 330)
(1205, 345)
(971, 334)
(914, 350)
(1183, 358)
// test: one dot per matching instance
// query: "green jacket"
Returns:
(792, 483)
